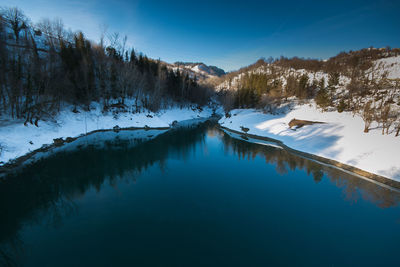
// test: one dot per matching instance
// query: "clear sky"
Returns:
(230, 34)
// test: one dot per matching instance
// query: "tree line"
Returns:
(44, 66)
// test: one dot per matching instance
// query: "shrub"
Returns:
(322, 98)
(341, 106)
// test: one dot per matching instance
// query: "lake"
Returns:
(191, 196)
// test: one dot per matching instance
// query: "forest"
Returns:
(44, 67)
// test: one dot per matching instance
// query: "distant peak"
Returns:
(200, 69)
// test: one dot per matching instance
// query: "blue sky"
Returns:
(230, 34)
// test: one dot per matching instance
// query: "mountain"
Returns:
(198, 69)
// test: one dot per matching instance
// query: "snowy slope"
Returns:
(389, 66)
(341, 138)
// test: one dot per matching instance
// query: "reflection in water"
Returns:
(353, 187)
(46, 188)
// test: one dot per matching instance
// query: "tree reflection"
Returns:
(46, 188)
(353, 187)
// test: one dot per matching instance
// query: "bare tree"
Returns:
(384, 118)
(368, 116)
(103, 32)
(16, 19)
(397, 126)
(53, 30)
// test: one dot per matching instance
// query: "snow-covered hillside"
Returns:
(381, 68)
(340, 137)
(386, 66)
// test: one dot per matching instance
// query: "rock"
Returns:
(45, 146)
(244, 137)
(244, 129)
(296, 124)
(118, 106)
(116, 128)
(58, 141)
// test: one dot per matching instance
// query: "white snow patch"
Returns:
(390, 66)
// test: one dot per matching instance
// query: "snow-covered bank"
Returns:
(98, 140)
(341, 138)
(16, 139)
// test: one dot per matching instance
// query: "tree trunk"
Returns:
(366, 128)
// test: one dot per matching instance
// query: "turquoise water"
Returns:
(192, 196)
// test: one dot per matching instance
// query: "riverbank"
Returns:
(17, 139)
(377, 179)
(340, 139)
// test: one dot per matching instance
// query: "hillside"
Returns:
(369, 88)
(345, 109)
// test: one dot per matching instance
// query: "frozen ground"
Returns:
(16, 139)
(341, 138)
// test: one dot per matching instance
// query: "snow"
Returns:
(341, 138)
(16, 139)
(197, 69)
(390, 65)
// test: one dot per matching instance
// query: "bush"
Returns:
(322, 98)
(342, 106)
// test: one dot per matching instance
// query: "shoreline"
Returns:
(18, 162)
(23, 160)
(18, 139)
(322, 160)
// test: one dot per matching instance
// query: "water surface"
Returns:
(192, 196)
